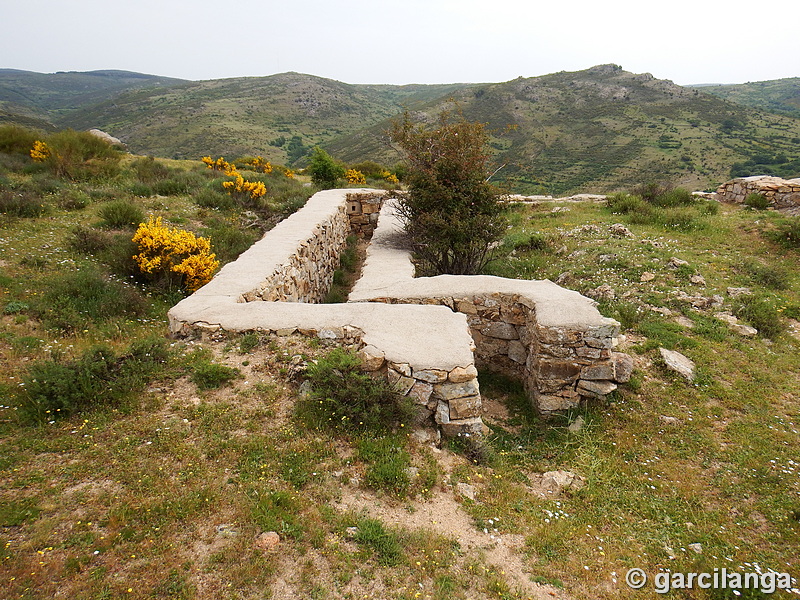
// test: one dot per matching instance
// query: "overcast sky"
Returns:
(405, 41)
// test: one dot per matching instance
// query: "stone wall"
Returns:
(781, 193)
(553, 339)
(303, 270)
(424, 334)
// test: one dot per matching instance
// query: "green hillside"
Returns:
(604, 128)
(594, 130)
(781, 96)
(58, 94)
(280, 117)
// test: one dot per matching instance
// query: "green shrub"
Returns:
(345, 398)
(650, 191)
(759, 312)
(17, 140)
(208, 376)
(81, 155)
(74, 200)
(249, 342)
(756, 201)
(97, 378)
(141, 190)
(120, 214)
(15, 307)
(278, 511)
(682, 219)
(788, 233)
(75, 300)
(324, 171)
(773, 277)
(451, 213)
(385, 544)
(19, 203)
(227, 240)
(387, 463)
(674, 197)
(88, 240)
(148, 170)
(213, 198)
(171, 187)
(708, 208)
(623, 204)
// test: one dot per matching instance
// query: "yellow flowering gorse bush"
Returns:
(355, 177)
(260, 165)
(254, 189)
(164, 251)
(220, 164)
(390, 177)
(40, 151)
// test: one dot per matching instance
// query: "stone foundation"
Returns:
(553, 339)
(426, 335)
(781, 193)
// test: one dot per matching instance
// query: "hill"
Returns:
(605, 128)
(598, 130)
(58, 94)
(281, 116)
(781, 96)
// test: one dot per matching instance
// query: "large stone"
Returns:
(371, 357)
(500, 330)
(430, 375)
(623, 367)
(450, 391)
(550, 403)
(597, 371)
(517, 352)
(462, 374)
(678, 363)
(558, 369)
(462, 408)
(464, 427)
(596, 389)
(421, 392)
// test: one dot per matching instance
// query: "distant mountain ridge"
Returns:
(593, 130)
(781, 96)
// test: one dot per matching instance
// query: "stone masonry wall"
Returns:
(307, 273)
(553, 339)
(425, 334)
(781, 193)
(559, 365)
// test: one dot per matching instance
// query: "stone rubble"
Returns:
(781, 193)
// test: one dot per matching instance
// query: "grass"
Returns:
(164, 491)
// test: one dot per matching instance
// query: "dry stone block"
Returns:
(558, 369)
(517, 352)
(500, 330)
(462, 374)
(598, 371)
(450, 391)
(596, 389)
(372, 358)
(430, 375)
(550, 403)
(623, 367)
(462, 408)
(678, 363)
(421, 392)
(472, 427)
(442, 414)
